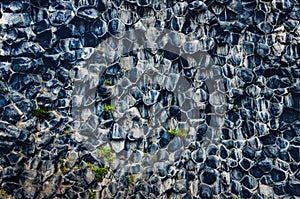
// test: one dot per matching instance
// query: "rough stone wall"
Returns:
(149, 99)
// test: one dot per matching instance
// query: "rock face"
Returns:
(145, 99)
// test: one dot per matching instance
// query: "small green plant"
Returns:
(235, 197)
(109, 108)
(106, 153)
(4, 193)
(177, 132)
(107, 82)
(92, 195)
(67, 132)
(40, 113)
(236, 107)
(100, 173)
(6, 90)
(131, 179)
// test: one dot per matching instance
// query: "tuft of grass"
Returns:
(4, 193)
(109, 108)
(107, 82)
(6, 90)
(40, 113)
(131, 179)
(67, 132)
(177, 132)
(106, 153)
(92, 195)
(236, 107)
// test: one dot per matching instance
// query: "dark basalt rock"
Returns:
(99, 28)
(249, 182)
(262, 50)
(294, 151)
(249, 152)
(60, 17)
(3, 100)
(209, 176)
(294, 187)
(29, 49)
(87, 13)
(277, 175)
(116, 27)
(290, 115)
(205, 191)
(164, 139)
(11, 114)
(284, 6)
(24, 64)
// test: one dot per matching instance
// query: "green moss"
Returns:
(106, 153)
(109, 108)
(40, 113)
(177, 132)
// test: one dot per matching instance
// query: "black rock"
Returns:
(87, 13)
(290, 115)
(289, 134)
(17, 20)
(277, 175)
(41, 26)
(14, 158)
(197, 5)
(268, 139)
(294, 187)
(60, 17)
(265, 165)
(116, 27)
(249, 152)
(262, 50)
(256, 172)
(284, 6)
(245, 164)
(11, 114)
(66, 31)
(246, 75)
(276, 109)
(90, 40)
(209, 176)
(205, 192)
(249, 182)
(280, 189)
(294, 151)
(25, 64)
(265, 27)
(99, 28)
(3, 100)
(30, 49)
(164, 139)
(271, 151)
